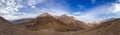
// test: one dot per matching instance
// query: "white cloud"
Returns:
(52, 11)
(77, 13)
(116, 8)
(14, 17)
(33, 6)
(119, 0)
(81, 7)
(9, 6)
(100, 13)
(52, 8)
(34, 2)
(93, 1)
(9, 9)
(93, 14)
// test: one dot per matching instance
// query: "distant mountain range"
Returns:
(46, 24)
(108, 27)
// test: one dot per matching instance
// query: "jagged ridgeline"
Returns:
(48, 22)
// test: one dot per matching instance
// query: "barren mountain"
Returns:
(70, 20)
(109, 27)
(6, 28)
(47, 22)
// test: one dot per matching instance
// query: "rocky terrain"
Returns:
(7, 28)
(46, 24)
(109, 27)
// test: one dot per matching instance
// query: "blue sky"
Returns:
(84, 10)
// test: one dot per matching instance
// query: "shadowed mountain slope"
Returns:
(47, 22)
(70, 20)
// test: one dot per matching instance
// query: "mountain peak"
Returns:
(64, 15)
(45, 14)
